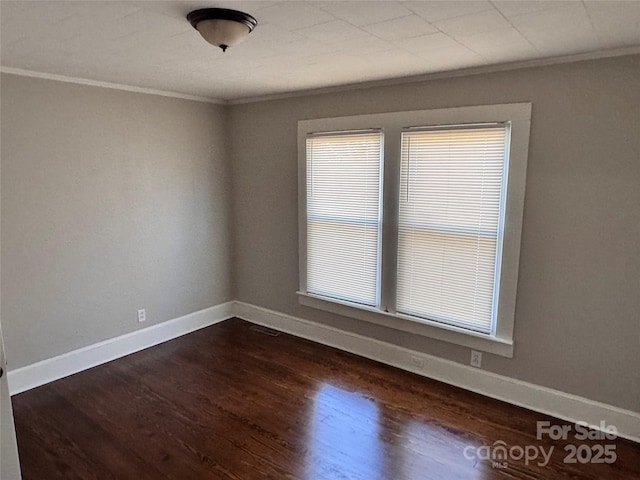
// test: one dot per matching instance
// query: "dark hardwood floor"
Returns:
(229, 402)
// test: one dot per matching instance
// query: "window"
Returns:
(450, 203)
(343, 215)
(412, 220)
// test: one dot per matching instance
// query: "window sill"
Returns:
(405, 323)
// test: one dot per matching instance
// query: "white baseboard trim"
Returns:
(40, 373)
(533, 397)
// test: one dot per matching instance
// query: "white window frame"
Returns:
(518, 115)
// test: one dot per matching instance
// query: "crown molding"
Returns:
(114, 86)
(464, 72)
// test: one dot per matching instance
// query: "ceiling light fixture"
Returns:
(222, 27)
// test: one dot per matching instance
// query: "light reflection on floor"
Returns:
(429, 452)
(348, 439)
(344, 436)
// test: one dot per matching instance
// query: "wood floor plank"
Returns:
(230, 403)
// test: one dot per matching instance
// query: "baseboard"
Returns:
(540, 399)
(545, 400)
(40, 373)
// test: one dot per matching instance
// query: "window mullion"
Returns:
(389, 230)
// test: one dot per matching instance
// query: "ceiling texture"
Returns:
(302, 45)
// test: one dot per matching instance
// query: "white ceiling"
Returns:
(300, 45)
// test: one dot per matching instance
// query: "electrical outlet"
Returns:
(142, 315)
(476, 359)
(417, 361)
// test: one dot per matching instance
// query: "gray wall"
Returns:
(9, 460)
(111, 201)
(577, 318)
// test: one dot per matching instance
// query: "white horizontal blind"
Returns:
(343, 215)
(449, 222)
